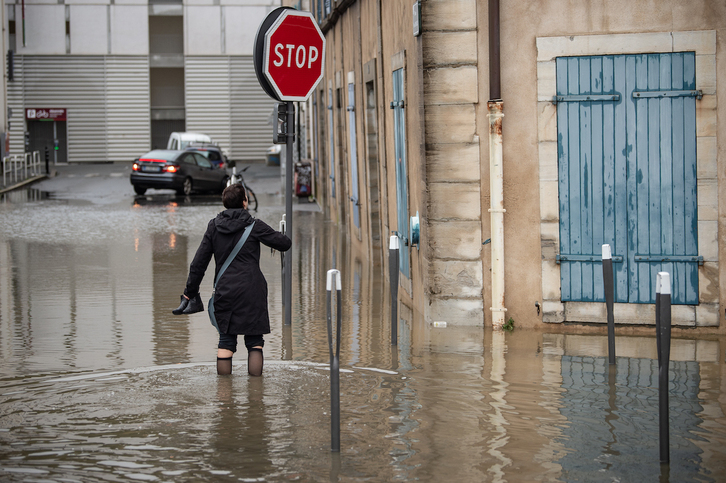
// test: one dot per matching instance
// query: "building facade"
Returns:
(108, 80)
(610, 135)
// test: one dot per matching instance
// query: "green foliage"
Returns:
(509, 325)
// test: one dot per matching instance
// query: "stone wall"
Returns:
(451, 96)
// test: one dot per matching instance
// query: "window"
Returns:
(626, 127)
(202, 161)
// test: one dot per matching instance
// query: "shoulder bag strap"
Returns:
(235, 251)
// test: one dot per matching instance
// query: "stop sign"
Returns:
(294, 55)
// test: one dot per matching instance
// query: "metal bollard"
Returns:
(393, 261)
(607, 277)
(334, 360)
(663, 341)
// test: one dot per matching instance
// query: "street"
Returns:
(100, 381)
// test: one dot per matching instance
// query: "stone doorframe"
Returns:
(703, 43)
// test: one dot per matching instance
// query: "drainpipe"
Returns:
(496, 173)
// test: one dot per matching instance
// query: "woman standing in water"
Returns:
(240, 296)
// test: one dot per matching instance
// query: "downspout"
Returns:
(496, 173)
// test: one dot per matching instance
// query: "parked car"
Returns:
(180, 140)
(182, 171)
(210, 151)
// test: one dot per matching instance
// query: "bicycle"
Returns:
(239, 178)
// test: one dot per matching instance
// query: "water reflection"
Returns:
(240, 434)
(100, 381)
(169, 266)
(22, 196)
(498, 395)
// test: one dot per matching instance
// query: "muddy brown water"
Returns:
(100, 382)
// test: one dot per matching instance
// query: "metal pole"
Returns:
(393, 262)
(496, 210)
(607, 277)
(495, 91)
(334, 359)
(663, 328)
(283, 230)
(287, 271)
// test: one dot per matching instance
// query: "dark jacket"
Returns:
(240, 299)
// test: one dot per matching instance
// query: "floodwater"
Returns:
(100, 382)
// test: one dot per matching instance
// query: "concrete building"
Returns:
(100, 80)
(610, 135)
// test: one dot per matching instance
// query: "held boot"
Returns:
(183, 305)
(195, 305)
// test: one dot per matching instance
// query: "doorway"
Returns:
(50, 136)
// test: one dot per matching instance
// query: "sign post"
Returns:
(289, 58)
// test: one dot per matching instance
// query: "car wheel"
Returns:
(186, 188)
(139, 190)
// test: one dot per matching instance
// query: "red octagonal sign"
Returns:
(294, 56)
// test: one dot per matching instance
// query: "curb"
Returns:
(23, 183)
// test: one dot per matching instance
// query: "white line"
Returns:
(384, 371)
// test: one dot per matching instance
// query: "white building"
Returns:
(110, 79)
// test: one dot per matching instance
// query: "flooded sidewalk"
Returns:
(99, 381)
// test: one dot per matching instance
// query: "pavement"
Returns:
(20, 184)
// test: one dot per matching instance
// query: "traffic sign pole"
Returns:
(289, 58)
(287, 269)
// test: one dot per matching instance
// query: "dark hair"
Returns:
(234, 196)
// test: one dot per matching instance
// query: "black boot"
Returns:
(183, 305)
(195, 305)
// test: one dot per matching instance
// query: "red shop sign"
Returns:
(52, 114)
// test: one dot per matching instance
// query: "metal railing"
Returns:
(20, 167)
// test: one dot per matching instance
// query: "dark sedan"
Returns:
(210, 151)
(182, 171)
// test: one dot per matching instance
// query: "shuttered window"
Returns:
(399, 130)
(627, 174)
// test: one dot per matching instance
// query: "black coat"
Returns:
(240, 298)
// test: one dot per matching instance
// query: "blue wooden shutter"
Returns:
(627, 174)
(332, 143)
(399, 129)
(663, 206)
(590, 115)
(355, 199)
